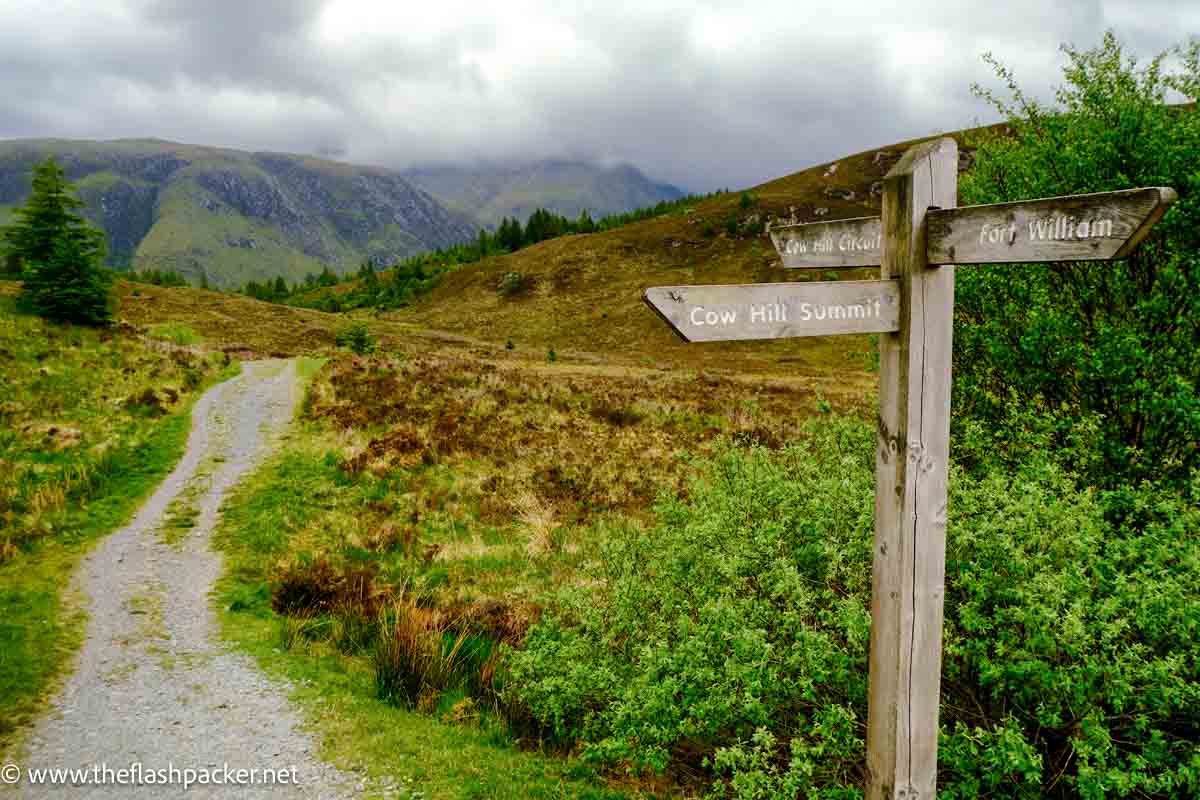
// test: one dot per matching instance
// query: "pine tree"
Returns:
(58, 252)
(69, 286)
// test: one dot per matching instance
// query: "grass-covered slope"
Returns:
(232, 216)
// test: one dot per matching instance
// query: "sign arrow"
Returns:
(1082, 227)
(743, 312)
(829, 245)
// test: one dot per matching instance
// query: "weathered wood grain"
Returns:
(911, 483)
(1083, 227)
(742, 312)
(829, 245)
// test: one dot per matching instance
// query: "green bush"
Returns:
(511, 284)
(357, 338)
(1115, 341)
(742, 606)
(735, 632)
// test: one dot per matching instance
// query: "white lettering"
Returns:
(805, 312)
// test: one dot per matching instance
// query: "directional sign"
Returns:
(777, 310)
(824, 245)
(922, 231)
(1082, 227)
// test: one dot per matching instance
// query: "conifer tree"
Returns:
(58, 252)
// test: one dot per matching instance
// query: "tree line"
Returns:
(419, 274)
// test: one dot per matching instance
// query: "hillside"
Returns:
(585, 292)
(232, 216)
(490, 193)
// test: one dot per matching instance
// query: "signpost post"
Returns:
(916, 242)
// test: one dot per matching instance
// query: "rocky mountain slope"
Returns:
(231, 216)
(489, 193)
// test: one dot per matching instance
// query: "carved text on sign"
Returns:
(1047, 229)
(778, 310)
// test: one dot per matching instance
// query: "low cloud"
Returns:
(702, 94)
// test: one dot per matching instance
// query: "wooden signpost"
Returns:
(844, 243)
(778, 310)
(916, 242)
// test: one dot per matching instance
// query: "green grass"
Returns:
(178, 332)
(40, 627)
(76, 461)
(286, 500)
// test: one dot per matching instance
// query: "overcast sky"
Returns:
(701, 94)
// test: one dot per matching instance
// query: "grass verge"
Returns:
(455, 751)
(78, 459)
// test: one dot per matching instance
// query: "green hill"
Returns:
(233, 216)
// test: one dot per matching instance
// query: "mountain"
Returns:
(232, 216)
(489, 193)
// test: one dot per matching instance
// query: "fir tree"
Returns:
(58, 252)
(69, 286)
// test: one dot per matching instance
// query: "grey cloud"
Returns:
(786, 86)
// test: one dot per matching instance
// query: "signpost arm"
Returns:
(911, 481)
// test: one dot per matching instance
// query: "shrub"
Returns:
(511, 284)
(309, 586)
(1114, 340)
(734, 633)
(685, 646)
(357, 338)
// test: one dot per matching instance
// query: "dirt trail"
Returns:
(153, 686)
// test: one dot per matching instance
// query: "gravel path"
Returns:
(153, 686)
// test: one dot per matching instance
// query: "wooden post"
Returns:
(911, 479)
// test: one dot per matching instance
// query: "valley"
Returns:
(510, 536)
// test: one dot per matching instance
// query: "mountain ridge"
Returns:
(225, 216)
